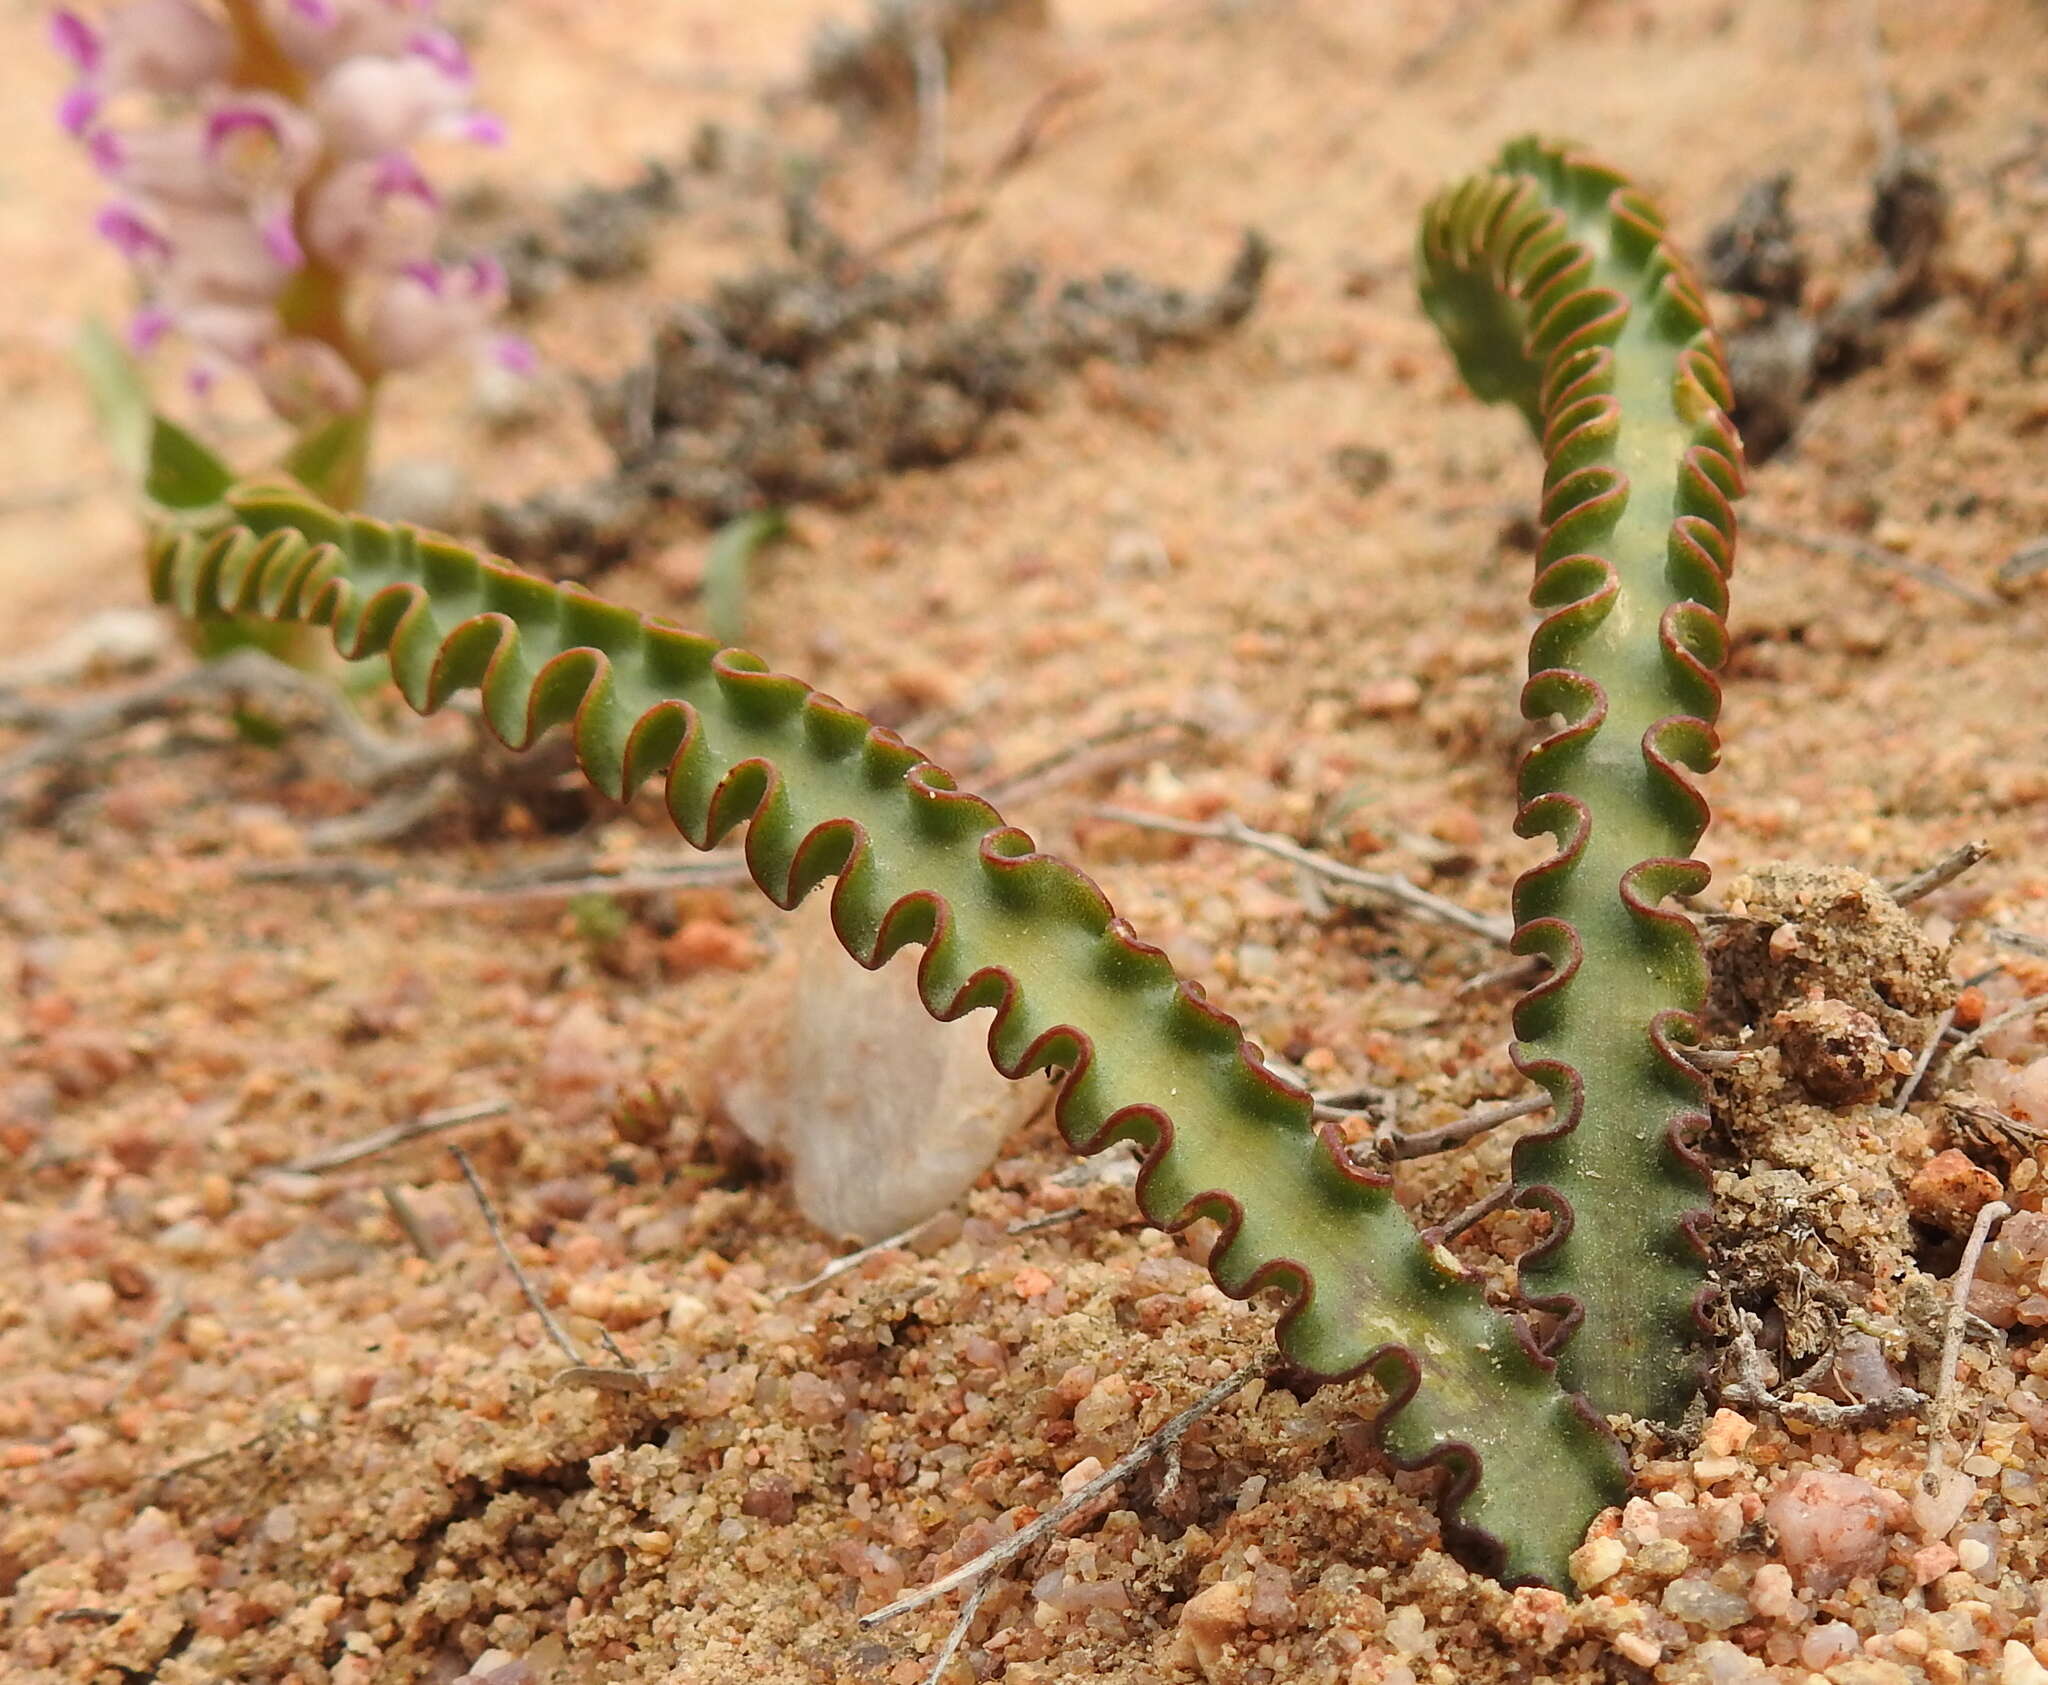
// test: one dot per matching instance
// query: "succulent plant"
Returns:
(1555, 288)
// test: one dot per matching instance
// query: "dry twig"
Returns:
(65, 736)
(368, 1146)
(351, 874)
(1952, 1340)
(1442, 1234)
(999, 1556)
(408, 1220)
(1390, 1143)
(2030, 1008)
(387, 819)
(713, 870)
(928, 62)
(2024, 563)
(1752, 1387)
(850, 1261)
(579, 1373)
(1079, 757)
(1872, 556)
(1946, 870)
(1397, 889)
(1517, 973)
(1909, 1085)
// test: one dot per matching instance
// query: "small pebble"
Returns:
(1597, 1562)
(2017, 1666)
(1079, 1475)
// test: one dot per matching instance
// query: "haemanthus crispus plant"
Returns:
(826, 794)
(1553, 282)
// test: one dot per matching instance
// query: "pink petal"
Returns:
(485, 128)
(512, 353)
(148, 325)
(281, 241)
(132, 237)
(440, 49)
(76, 39)
(77, 109)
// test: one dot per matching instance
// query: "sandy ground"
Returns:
(250, 1430)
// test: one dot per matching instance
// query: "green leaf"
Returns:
(167, 464)
(1144, 1056)
(1557, 291)
(725, 570)
(120, 397)
(183, 473)
(331, 460)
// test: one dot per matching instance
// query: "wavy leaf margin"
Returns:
(1557, 290)
(825, 793)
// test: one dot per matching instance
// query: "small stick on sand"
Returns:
(1389, 1143)
(428, 1123)
(172, 1314)
(961, 1628)
(2024, 563)
(67, 735)
(388, 818)
(2031, 1008)
(999, 1556)
(1397, 889)
(1752, 1387)
(1952, 1343)
(1046, 1220)
(1078, 757)
(547, 1320)
(850, 1260)
(408, 1220)
(1946, 870)
(1871, 556)
(1910, 1084)
(684, 874)
(1518, 972)
(928, 62)
(1442, 1234)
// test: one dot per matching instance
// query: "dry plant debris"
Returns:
(813, 381)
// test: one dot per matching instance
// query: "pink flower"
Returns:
(222, 257)
(374, 214)
(235, 332)
(259, 146)
(427, 308)
(370, 106)
(165, 165)
(160, 46)
(224, 166)
(306, 380)
(148, 325)
(134, 236)
(318, 34)
(76, 39)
